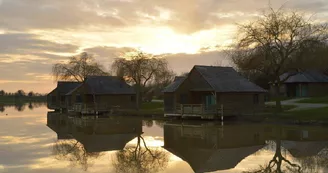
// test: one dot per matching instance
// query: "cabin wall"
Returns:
(317, 89)
(241, 103)
(195, 81)
(108, 100)
(123, 101)
(53, 100)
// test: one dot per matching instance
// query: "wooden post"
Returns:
(221, 112)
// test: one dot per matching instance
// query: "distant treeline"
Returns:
(21, 96)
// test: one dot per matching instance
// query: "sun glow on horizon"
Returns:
(155, 40)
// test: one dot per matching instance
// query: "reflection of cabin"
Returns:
(56, 98)
(208, 148)
(304, 84)
(207, 89)
(98, 135)
(59, 124)
(300, 141)
(304, 141)
(101, 94)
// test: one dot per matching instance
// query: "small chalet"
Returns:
(304, 84)
(210, 90)
(208, 148)
(101, 94)
(56, 98)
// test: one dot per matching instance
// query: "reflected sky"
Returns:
(36, 141)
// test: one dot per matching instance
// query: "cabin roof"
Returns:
(175, 84)
(99, 142)
(304, 148)
(105, 85)
(226, 79)
(306, 77)
(210, 160)
(63, 87)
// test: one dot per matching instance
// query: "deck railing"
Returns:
(199, 109)
(91, 108)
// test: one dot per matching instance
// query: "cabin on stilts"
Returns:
(101, 94)
(56, 98)
(211, 92)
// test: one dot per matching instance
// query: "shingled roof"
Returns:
(63, 87)
(306, 77)
(226, 79)
(175, 84)
(107, 85)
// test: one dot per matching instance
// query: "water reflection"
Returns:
(94, 136)
(206, 147)
(20, 107)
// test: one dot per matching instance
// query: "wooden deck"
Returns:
(87, 109)
(196, 110)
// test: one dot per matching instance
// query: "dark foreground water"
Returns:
(33, 140)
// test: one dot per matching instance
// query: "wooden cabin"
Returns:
(108, 134)
(209, 91)
(210, 148)
(303, 84)
(56, 98)
(99, 94)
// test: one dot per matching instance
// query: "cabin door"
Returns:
(209, 100)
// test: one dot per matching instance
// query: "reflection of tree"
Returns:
(30, 106)
(20, 107)
(315, 163)
(276, 164)
(74, 152)
(140, 159)
(159, 123)
(2, 108)
(148, 123)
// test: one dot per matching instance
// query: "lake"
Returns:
(34, 140)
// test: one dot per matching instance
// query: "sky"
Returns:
(35, 34)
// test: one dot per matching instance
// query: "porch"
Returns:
(92, 109)
(196, 110)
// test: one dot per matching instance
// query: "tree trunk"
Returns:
(139, 96)
(278, 98)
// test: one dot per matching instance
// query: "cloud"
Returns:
(183, 16)
(30, 43)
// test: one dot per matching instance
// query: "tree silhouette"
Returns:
(140, 159)
(278, 163)
(279, 42)
(74, 152)
(140, 68)
(78, 68)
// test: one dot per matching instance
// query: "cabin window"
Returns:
(78, 99)
(133, 98)
(256, 99)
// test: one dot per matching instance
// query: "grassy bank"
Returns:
(318, 114)
(13, 100)
(323, 100)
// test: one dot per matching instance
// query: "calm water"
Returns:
(33, 140)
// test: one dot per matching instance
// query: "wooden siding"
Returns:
(103, 101)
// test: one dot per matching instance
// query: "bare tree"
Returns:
(276, 164)
(2, 92)
(78, 68)
(140, 159)
(278, 42)
(74, 152)
(140, 68)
